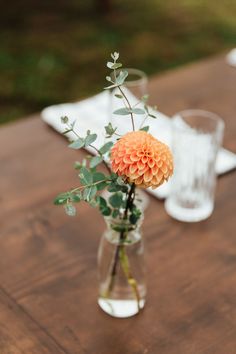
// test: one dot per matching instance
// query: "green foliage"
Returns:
(138, 111)
(89, 193)
(64, 120)
(123, 111)
(86, 177)
(122, 75)
(100, 177)
(115, 213)
(120, 202)
(126, 111)
(77, 165)
(135, 215)
(115, 56)
(90, 138)
(77, 144)
(145, 129)
(148, 113)
(96, 160)
(110, 131)
(152, 116)
(70, 209)
(76, 197)
(103, 207)
(116, 200)
(61, 199)
(106, 147)
(121, 78)
(82, 142)
(113, 66)
(118, 96)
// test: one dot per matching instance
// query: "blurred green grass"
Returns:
(55, 51)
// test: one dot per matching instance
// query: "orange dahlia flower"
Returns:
(142, 159)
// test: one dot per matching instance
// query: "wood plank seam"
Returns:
(32, 319)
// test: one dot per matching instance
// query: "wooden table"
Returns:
(48, 280)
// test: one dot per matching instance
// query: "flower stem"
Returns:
(120, 254)
(89, 185)
(126, 99)
(126, 268)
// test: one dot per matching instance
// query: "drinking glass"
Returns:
(135, 87)
(196, 138)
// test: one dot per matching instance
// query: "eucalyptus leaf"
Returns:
(121, 77)
(85, 176)
(77, 165)
(113, 176)
(110, 64)
(138, 111)
(116, 199)
(120, 181)
(61, 199)
(70, 209)
(96, 160)
(123, 111)
(99, 176)
(101, 201)
(93, 203)
(64, 120)
(133, 219)
(145, 129)
(67, 131)
(89, 193)
(117, 95)
(109, 129)
(106, 147)
(90, 138)
(77, 144)
(108, 78)
(135, 215)
(152, 116)
(115, 56)
(103, 207)
(116, 66)
(76, 197)
(113, 187)
(106, 211)
(115, 213)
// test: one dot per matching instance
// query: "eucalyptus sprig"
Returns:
(92, 181)
(117, 81)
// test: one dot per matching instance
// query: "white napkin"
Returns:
(231, 57)
(92, 114)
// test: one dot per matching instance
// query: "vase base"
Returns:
(120, 308)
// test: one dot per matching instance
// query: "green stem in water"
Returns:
(124, 260)
(120, 253)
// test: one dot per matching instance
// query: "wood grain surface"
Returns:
(48, 279)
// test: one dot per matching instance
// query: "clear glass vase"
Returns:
(122, 288)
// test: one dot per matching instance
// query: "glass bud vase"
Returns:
(122, 288)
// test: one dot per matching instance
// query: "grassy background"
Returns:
(54, 51)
